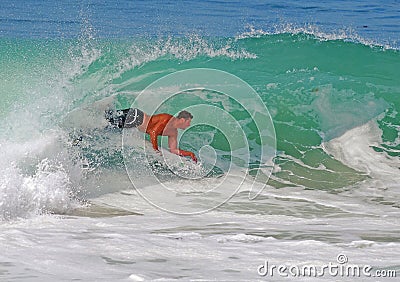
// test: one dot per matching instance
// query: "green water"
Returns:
(315, 90)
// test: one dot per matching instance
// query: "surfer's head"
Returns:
(184, 119)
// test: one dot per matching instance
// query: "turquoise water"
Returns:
(316, 89)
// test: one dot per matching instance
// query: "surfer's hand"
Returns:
(184, 153)
(193, 156)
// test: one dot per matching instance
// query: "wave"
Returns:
(346, 34)
(35, 179)
(316, 89)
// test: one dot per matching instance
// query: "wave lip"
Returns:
(345, 34)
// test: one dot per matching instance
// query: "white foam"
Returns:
(362, 243)
(135, 277)
(380, 192)
(348, 34)
(36, 171)
(354, 148)
(186, 49)
(34, 177)
(185, 236)
(47, 190)
(243, 238)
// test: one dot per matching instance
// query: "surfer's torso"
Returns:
(160, 124)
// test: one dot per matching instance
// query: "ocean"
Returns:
(296, 126)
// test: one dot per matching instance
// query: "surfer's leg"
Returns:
(134, 118)
(116, 118)
(145, 123)
(126, 118)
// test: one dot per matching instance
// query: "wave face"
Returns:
(334, 101)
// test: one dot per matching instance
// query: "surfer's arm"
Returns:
(155, 130)
(173, 148)
(156, 126)
(187, 154)
(153, 139)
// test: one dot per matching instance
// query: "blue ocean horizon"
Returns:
(377, 20)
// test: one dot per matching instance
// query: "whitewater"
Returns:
(296, 126)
